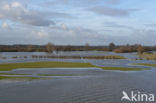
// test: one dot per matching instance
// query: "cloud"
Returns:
(83, 2)
(41, 34)
(17, 12)
(5, 26)
(116, 25)
(113, 1)
(34, 22)
(112, 12)
(151, 25)
(143, 36)
(64, 35)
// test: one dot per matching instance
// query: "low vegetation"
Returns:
(11, 66)
(125, 49)
(148, 56)
(82, 57)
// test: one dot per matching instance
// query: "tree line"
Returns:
(50, 48)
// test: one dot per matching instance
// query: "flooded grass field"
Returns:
(86, 81)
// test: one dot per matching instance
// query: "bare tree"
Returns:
(140, 49)
(86, 46)
(111, 46)
(50, 47)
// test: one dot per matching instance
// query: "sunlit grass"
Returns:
(124, 68)
(11, 66)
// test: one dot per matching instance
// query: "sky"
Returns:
(77, 22)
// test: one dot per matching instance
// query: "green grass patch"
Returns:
(145, 64)
(124, 68)
(18, 78)
(11, 66)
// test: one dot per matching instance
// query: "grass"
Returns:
(18, 78)
(145, 64)
(11, 66)
(124, 68)
(148, 56)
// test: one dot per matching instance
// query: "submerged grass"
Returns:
(145, 64)
(56, 75)
(11, 66)
(18, 78)
(12, 74)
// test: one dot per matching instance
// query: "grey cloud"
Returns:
(113, 12)
(35, 18)
(17, 12)
(38, 22)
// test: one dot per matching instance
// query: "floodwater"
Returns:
(77, 85)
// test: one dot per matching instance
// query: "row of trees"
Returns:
(140, 49)
(50, 48)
